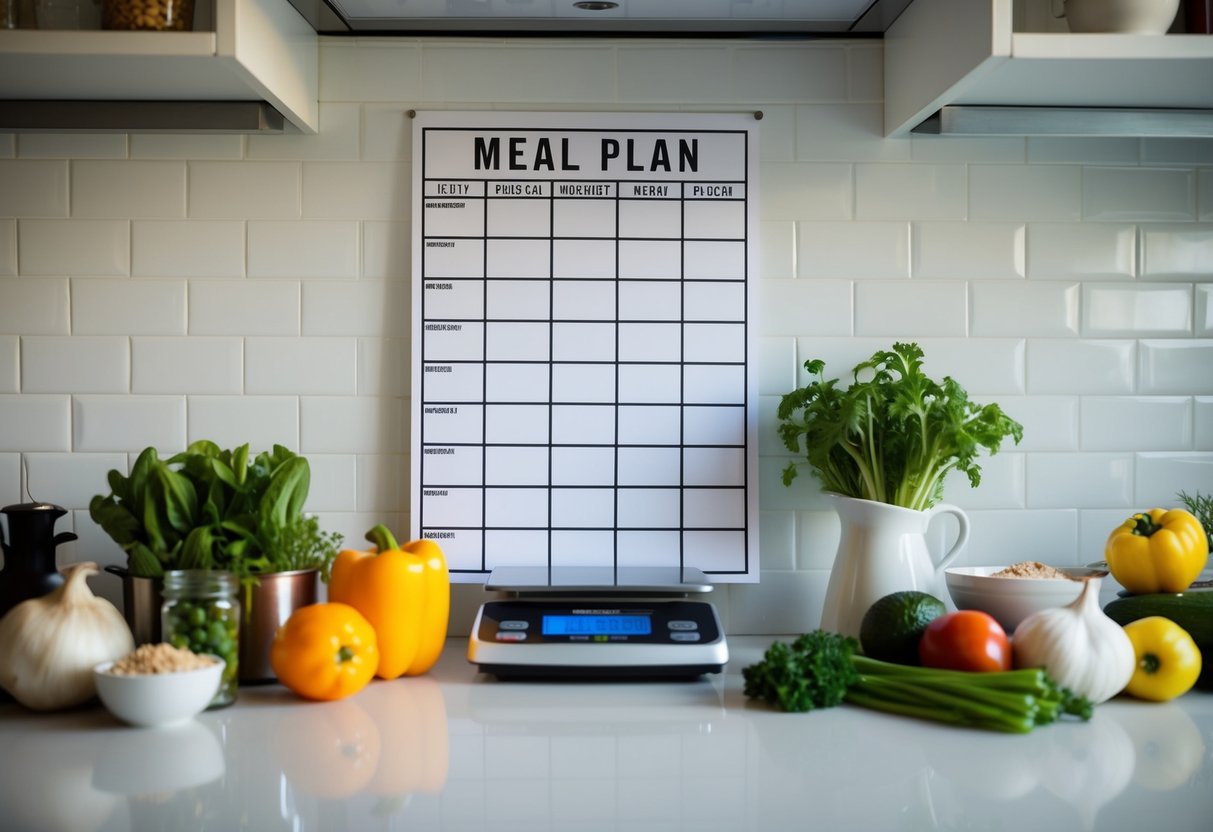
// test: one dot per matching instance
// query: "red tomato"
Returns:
(965, 640)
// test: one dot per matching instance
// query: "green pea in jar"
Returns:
(202, 614)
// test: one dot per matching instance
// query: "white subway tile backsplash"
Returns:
(1138, 194)
(383, 482)
(362, 307)
(317, 366)
(230, 421)
(910, 308)
(804, 493)
(10, 479)
(1094, 527)
(1179, 367)
(193, 248)
(1161, 476)
(385, 250)
(1205, 187)
(383, 70)
(35, 423)
(839, 250)
(244, 190)
(1203, 423)
(791, 307)
(784, 602)
(1071, 251)
(1176, 151)
(1114, 423)
(77, 364)
(845, 132)
(899, 191)
(644, 73)
(33, 188)
(185, 146)
(865, 73)
(1050, 193)
(968, 250)
(128, 189)
(8, 247)
(1075, 150)
(334, 483)
(1204, 311)
(998, 537)
(387, 133)
(74, 247)
(186, 365)
(983, 366)
(383, 367)
(1142, 310)
(517, 71)
(769, 72)
(10, 364)
(303, 249)
(1007, 149)
(1177, 251)
(777, 537)
(244, 307)
(777, 365)
(778, 134)
(347, 424)
(70, 479)
(806, 191)
(128, 423)
(818, 534)
(777, 249)
(1050, 423)
(355, 190)
(127, 306)
(1074, 367)
(35, 306)
(1080, 480)
(71, 146)
(8, 146)
(1001, 486)
(339, 137)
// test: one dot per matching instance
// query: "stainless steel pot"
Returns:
(141, 602)
(265, 607)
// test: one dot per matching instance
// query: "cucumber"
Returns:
(1192, 610)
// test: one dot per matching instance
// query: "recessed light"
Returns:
(595, 5)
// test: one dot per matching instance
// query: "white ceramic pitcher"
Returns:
(883, 550)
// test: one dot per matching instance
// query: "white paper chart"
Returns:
(583, 384)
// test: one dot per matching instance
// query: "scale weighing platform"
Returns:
(598, 622)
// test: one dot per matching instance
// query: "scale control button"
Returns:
(678, 624)
(683, 636)
(511, 635)
(514, 625)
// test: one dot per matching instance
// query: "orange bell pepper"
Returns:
(405, 592)
(325, 651)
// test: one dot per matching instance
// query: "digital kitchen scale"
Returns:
(598, 622)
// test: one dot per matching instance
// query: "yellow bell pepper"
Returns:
(1157, 551)
(405, 592)
(325, 651)
(1168, 660)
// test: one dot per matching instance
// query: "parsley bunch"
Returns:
(893, 434)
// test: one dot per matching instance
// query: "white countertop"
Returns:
(455, 750)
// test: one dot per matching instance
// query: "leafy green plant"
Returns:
(893, 434)
(210, 508)
(1201, 506)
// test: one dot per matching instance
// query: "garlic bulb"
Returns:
(1078, 646)
(49, 645)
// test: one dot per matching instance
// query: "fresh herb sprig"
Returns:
(893, 434)
(823, 669)
(1201, 506)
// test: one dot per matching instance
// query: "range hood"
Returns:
(732, 18)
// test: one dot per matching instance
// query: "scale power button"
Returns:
(511, 635)
(679, 624)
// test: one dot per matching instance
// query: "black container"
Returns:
(1198, 17)
(29, 552)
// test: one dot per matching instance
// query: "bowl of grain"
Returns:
(158, 685)
(1012, 593)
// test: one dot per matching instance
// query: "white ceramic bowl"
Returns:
(157, 699)
(1011, 600)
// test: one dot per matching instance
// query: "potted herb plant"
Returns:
(882, 448)
(211, 508)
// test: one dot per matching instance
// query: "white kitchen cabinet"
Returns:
(259, 51)
(966, 53)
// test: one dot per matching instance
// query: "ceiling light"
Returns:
(595, 5)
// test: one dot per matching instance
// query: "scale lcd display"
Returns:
(597, 625)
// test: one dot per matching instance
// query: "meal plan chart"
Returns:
(582, 386)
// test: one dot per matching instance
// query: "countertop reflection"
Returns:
(455, 750)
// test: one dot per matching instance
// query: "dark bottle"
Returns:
(29, 552)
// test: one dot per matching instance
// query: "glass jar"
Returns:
(156, 15)
(202, 614)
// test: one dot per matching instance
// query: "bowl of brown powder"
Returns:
(1012, 593)
(158, 685)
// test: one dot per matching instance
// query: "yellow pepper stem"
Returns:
(383, 538)
(1143, 525)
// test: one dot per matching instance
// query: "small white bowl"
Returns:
(158, 699)
(1011, 600)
